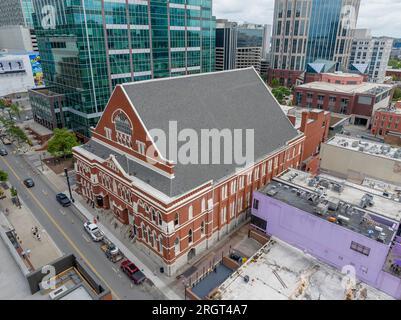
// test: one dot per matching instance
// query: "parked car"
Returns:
(132, 271)
(63, 199)
(29, 183)
(3, 152)
(93, 231)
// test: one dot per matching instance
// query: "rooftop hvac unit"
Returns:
(58, 292)
(311, 182)
(338, 187)
(324, 183)
(355, 144)
(361, 149)
(246, 278)
(343, 219)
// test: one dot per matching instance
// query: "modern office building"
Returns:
(396, 50)
(16, 25)
(307, 30)
(241, 46)
(88, 47)
(351, 227)
(178, 208)
(345, 93)
(226, 44)
(373, 52)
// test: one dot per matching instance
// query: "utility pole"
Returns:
(68, 182)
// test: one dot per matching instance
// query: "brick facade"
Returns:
(173, 229)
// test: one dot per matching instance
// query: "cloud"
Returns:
(382, 16)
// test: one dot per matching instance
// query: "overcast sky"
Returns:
(382, 16)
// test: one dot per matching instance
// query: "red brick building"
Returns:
(345, 94)
(387, 120)
(394, 73)
(315, 124)
(177, 210)
(287, 78)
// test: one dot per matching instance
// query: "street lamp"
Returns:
(68, 182)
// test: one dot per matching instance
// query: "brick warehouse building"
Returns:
(345, 93)
(176, 211)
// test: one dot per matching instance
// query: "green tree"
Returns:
(61, 144)
(16, 133)
(15, 110)
(3, 176)
(395, 63)
(281, 93)
(397, 94)
(275, 83)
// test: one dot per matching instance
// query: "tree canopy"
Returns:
(395, 63)
(3, 176)
(281, 93)
(397, 94)
(61, 144)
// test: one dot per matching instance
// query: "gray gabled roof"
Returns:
(236, 99)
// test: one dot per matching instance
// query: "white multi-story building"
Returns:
(371, 51)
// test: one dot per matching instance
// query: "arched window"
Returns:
(148, 235)
(177, 245)
(123, 124)
(190, 236)
(190, 212)
(144, 233)
(154, 239)
(153, 214)
(160, 246)
(160, 219)
(203, 205)
(176, 219)
(202, 227)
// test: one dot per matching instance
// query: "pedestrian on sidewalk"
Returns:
(97, 217)
(94, 220)
(7, 211)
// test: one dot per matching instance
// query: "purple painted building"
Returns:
(337, 222)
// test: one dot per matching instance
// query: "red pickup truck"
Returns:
(132, 271)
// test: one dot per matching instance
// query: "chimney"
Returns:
(305, 118)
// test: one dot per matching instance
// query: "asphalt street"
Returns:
(65, 226)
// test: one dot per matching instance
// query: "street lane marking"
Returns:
(62, 231)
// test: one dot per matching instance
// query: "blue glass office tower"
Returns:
(308, 30)
(89, 46)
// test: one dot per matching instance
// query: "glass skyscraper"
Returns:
(89, 46)
(308, 30)
(16, 12)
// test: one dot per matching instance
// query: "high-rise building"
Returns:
(16, 25)
(226, 44)
(241, 46)
(309, 30)
(373, 52)
(90, 46)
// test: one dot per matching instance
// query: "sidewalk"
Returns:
(42, 251)
(132, 254)
(141, 259)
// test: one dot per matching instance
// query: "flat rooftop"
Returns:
(365, 87)
(335, 201)
(371, 147)
(297, 113)
(281, 272)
